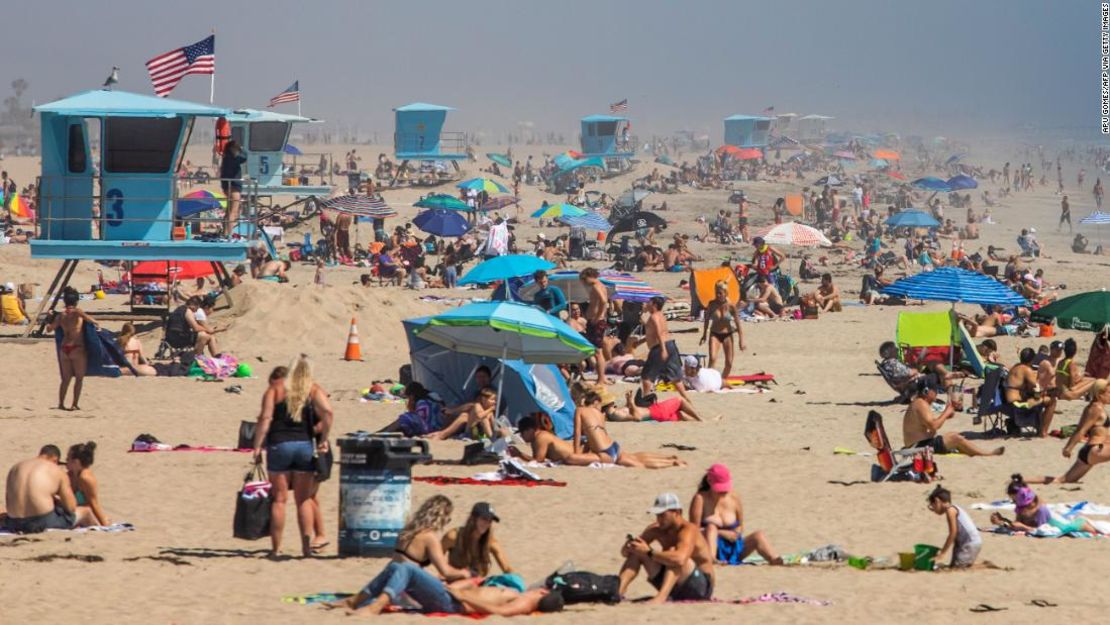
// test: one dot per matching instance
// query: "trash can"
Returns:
(375, 482)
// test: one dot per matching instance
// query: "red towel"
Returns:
(443, 480)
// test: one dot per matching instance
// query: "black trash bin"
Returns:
(375, 482)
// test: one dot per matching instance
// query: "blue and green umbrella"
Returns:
(483, 184)
(442, 201)
(551, 211)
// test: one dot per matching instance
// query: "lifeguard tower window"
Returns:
(604, 129)
(237, 134)
(78, 161)
(140, 145)
(763, 124)
(268, 136)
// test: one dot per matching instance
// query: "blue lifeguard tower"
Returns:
(418, 136)
(264, 136)
(607, 137)
(747, 131)
(117, 203)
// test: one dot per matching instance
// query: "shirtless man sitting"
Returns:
(767, 301)
(537, 432)
(39, 495)
(590, 423)
(827, 296)
(275, 269)
(682, 569)
(404, 579)
(920, 426)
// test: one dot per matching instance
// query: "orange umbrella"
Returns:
(740, 154)
(19, 207)
(889, 155)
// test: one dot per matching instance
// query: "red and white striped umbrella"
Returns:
(793, 233)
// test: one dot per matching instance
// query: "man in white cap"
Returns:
(699, 378)
(682, 569)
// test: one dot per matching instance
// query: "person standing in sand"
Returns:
(920, 426)
(72, 357)
(1065, 215)
(597, 318)
(722, 321)
(663, 360)
(682, 570)
(38, 495)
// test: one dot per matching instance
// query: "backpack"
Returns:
(585, 587)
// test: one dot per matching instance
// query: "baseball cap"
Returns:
(665, 502)
(690, 361)
(719, 478)
(1056, 345)
(485, 510)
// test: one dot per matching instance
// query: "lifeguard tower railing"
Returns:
(110, 214)
(418, 146)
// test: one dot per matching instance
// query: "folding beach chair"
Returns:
(891, 462)
(904, 393)
(989, 411)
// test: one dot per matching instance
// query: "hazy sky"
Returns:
(944, 66)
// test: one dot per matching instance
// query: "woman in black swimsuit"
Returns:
(420, 543)
(720, 317)
(1094, 428)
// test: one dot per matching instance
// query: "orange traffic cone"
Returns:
(354, 350)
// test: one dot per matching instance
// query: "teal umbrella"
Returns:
(442, 201)
(505, 267)
(500, 159)
(552, 211)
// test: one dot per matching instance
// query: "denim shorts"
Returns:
(290, 456)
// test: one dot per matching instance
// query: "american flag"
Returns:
(292, 94)
(166, 70)
(619, 107)
(768, 110)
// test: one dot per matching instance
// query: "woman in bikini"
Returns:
(722, 320)
(419, 541)
(72, 358)
(589, 422)
(79, 461)
(1070, 382)
(1093, 431)
(719, 512)
(133, 350)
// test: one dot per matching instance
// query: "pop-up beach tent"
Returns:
(527, 388)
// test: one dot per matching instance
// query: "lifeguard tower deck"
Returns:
(418, 136)
(117, 201)
(747, 131)
(264, 136)
(607, 137)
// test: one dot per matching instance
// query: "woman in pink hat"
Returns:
(721, 516)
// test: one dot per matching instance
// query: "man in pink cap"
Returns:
(719, 512)
(682, 569)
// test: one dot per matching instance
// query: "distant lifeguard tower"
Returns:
(264, 137)
(117, 203)
(812, 128)
(608, 137)
(418, 136)
(747, 131)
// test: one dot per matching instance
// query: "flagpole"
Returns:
(212, 76)
(298, 97)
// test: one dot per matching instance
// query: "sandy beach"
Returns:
(182, 566)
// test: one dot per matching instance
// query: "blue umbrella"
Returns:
(912, 218)
(961, 182)
(505, 267)
(951, 284)
(931, 183)
(441, 222)
(294, 150)
(589, 221)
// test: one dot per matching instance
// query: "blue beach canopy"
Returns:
(912, 218)
(589, 220)
(505, 267)
(951, 284)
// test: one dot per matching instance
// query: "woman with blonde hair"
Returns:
(295, 415)
(133, 350)
(419, 541)
(722, 320)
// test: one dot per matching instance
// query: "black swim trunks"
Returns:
(56, 519)
(936, 444)
(669, 370)
(696, 587)
(1085, 452)
(595, 332)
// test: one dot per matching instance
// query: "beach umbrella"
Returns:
(793, 233)
(200, 200)
(505, 267)
(552, 211)
(506, 330)
(293, 150)
(952, 284)
(361, 206)
(483, 184)
(912, 218)
(632, 197)
(1096, 219)
(931, 183)
(889, 155)
(961, 182)
(588, 220)
(636, 221)
(740, 154)
(829, 180)
(620, 285)
(500, 159)
(1083, 311)
(441, 222)
(440, 200)
(156, 270)
(499, 202)
(18, 207)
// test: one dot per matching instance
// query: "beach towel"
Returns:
(114, 528)
(736, 380)
(325, 597)
(1050, 531)
(183, 447)
(444, 480)
(1066, 510)
(220, 368)
(103, 354)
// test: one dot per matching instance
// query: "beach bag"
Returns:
(585, 587)
(252, 506)
(404, 375)
(246, 434)
(476, 453)
(321, 462)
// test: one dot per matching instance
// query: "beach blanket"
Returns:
(1066, 510)
(737, 380)
(1050, 531)
(443, 480)
(114, 528)
(225, 366)
(162, 447)
(772, 597)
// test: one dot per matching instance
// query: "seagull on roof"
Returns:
(112, 79)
